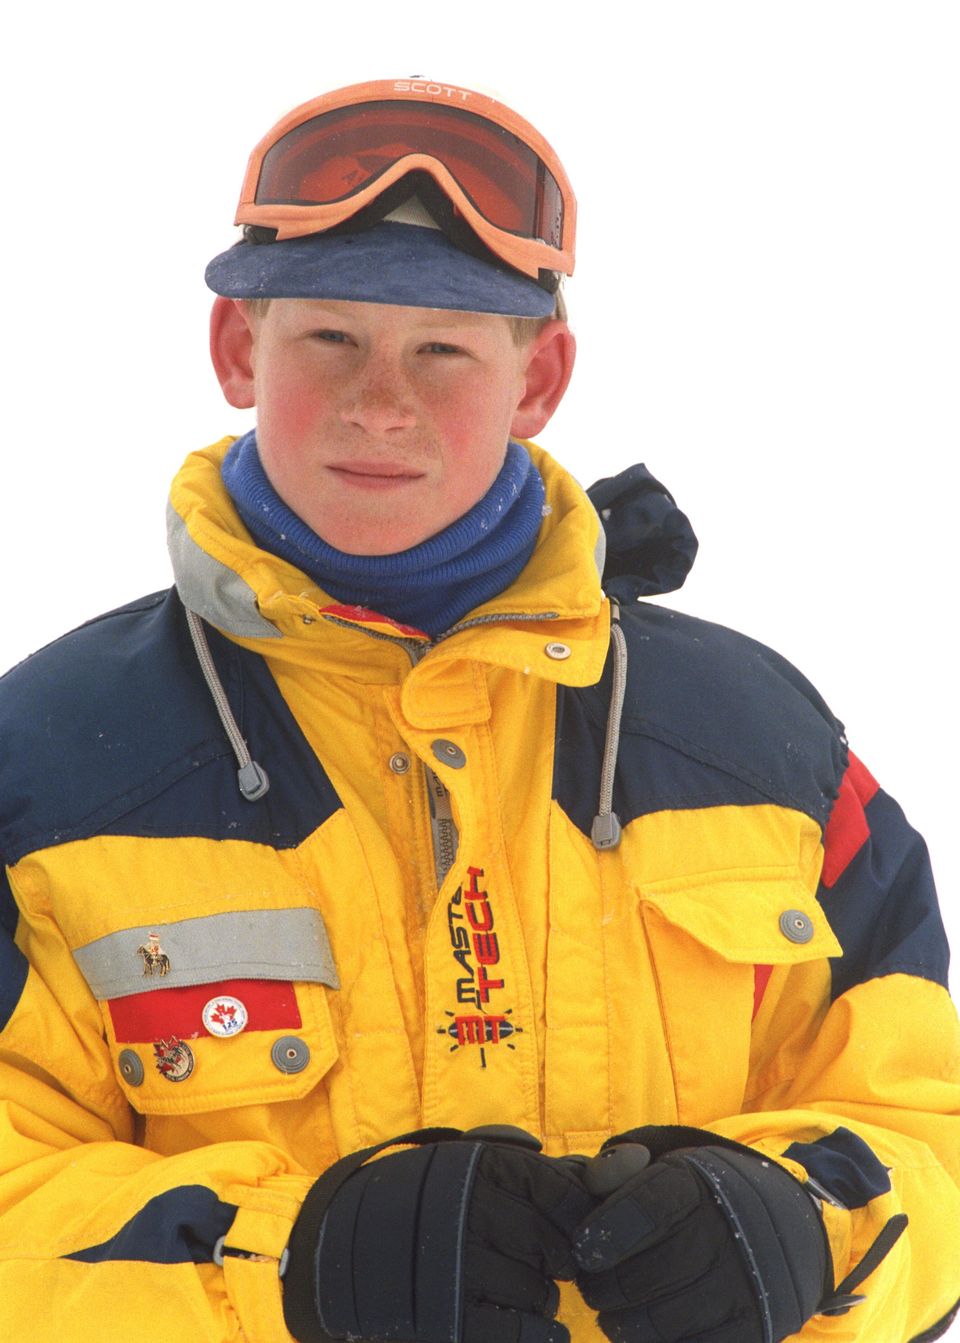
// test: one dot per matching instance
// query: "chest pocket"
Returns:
(712, 946)
(223, 1010)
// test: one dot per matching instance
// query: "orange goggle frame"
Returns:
(330, 157)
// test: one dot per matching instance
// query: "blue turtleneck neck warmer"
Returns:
(431, 586)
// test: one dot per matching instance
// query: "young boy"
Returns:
(366, 885)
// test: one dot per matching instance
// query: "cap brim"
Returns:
(390, 263)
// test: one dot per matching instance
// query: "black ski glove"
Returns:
(706, 1241)
(455, 1240)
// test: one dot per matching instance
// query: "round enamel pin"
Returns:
(224, 1017)
(174, 1059)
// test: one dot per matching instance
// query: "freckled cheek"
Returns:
(472, 410)
(475, 403)
(476, 425)
(288, 412)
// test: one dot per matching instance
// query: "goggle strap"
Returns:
(437, 203)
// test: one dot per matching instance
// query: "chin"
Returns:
(356, 541)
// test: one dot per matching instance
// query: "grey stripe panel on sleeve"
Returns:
(283, 944)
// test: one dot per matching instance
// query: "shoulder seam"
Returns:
(140, 604)
(204, 753)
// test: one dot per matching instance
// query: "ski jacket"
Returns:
(282, 879)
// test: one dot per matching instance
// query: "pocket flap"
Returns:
(750, 920)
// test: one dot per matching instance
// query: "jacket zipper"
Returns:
(443, 828)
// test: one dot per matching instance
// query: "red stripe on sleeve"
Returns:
(142, 1018)
(863, 781)
(848, 829)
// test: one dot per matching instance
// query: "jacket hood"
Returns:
(650, 543)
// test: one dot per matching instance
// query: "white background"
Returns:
(767, 301)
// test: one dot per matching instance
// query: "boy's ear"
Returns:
(549, 362)
(231, 347)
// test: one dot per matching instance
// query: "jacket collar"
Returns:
(269, 605)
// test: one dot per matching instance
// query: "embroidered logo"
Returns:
(476, 949)
(174, 1059)
(155, 959)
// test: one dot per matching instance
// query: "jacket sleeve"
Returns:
(855, 1079)
(95, 1227)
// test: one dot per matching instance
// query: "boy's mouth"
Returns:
(375, 475)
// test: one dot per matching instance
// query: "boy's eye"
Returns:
(438, 347)
(334, 337)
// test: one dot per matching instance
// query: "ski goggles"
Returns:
(329, 158)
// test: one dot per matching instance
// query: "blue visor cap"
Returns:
(407, 264)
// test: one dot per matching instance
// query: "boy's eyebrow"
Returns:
(452, 317)
(424, 317)
(431, 319)
(466, 325)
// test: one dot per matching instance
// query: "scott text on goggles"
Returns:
(409, 86)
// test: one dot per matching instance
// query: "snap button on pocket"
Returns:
(557, 651)
(131, 1068)
(290, 1054)
(796, 926)
(399, 762)
(448, 753)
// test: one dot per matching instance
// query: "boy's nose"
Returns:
(379, 402)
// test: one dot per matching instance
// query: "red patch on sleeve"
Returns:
(848, 829)
(141, 1018)
(761, 978)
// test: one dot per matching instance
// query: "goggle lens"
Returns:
(334, 155)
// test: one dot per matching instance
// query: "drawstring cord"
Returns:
(605, 831)
(251, 777)
(254, 783)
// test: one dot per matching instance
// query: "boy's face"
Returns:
(380, 425)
